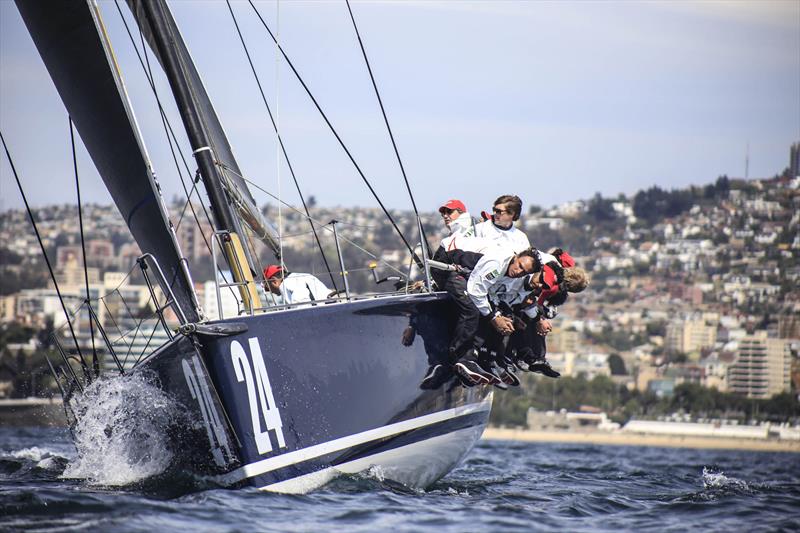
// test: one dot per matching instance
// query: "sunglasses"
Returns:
(497, 211)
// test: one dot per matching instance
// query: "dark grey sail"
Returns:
(152, 13)
(71, 41)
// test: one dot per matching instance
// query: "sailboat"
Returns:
(282, 398)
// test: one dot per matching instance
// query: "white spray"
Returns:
(121, 431)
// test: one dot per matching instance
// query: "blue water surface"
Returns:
(502, 486)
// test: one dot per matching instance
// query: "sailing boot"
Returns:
(508, 376)
(486, 360)
(436, 376)
(523, 359)
(541, 366)
(470, 371)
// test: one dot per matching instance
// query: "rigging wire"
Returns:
(338, 138)
(386, 120)
(84, 366)
(277, 132)
(171, 137)
(95, 361)
(320, 224)
(280, 140)
(170, 134)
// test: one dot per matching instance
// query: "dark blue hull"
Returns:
(305, 394)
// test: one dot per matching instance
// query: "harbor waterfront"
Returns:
(27, 412)
(620, 438)
(48, 412)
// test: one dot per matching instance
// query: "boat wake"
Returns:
(121, 434)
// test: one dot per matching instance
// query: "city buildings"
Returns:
(762, 367)
(705, 294)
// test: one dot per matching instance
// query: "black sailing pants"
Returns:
(530, 346)
(468, 316)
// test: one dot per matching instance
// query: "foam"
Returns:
(121, 431)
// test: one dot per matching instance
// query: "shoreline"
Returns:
(619, 438)
(32, 411)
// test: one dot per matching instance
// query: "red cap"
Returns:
(271, 271)
(549, 284)
(453, 204)
(566, 260)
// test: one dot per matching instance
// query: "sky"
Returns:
(552, 101)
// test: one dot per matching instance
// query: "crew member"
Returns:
(548, 290)
(294, 287)
(458, 222)
(456, 217)
(500, 226)
(488, 270)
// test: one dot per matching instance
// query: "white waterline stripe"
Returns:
(312, 480)
(318, 450)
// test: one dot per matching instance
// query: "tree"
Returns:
(657, 327)
(601, 209)
(654, 204)
(617, 365)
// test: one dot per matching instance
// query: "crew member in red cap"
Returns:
(294, 287)
(459, 223)
(457, 219)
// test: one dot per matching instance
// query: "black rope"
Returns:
(95, 360)
(338, 138)
(386, 120)
(84, 366)
(280, 142)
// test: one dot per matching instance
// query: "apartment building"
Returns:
(690, 335)
(762, 367)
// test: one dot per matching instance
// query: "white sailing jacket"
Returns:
(488, 276)
(464, 226)
(513, 236)
(512, 291)
(299, 287)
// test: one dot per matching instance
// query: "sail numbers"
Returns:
(198, 387)
(259, 394)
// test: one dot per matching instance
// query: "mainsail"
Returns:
(72, 42)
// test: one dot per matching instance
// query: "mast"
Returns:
(230, 199)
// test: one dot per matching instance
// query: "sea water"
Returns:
(502, 486)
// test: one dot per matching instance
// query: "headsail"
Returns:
(72, 42)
